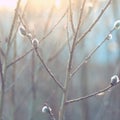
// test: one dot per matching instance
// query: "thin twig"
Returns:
(68, 71)
(2, 53)
(54, 55)
(19, 58)
(7, 88)
(14, 20)
(68, 39)
(4, 71)
(74, 39)
(33, 84)
(71, 17)
(2, 90)
(12, 96)
(9, 38)
(90, 54)
(94, 23)
(48, 70)
(54, 26)
(89, 96)
(42, 61)
(14, 36)
(49, 19)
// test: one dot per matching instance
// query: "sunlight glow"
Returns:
(34, 4)
(58, 4)
(10, 4)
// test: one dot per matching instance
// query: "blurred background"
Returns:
(28, 86)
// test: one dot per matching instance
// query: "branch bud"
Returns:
(114, 80)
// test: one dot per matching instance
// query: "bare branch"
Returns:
(89, 96)
(54, 26)
(68, 39)
(10, 36)
(14, 20)
(94, 23)
(71, 17)
(48, 70)
(91, 53)
(14, 36)
(2, 90)
(42, 61)
(19, 58)
(68, 71)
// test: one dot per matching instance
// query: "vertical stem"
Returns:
(71, 17)
(2, 90)
(84, 91)
(68, 72)
(68, 40)
(13, 80)
(33, 75)
(10, 37)
(33, 84)
(3, 71)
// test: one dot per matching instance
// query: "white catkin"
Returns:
(109, 37)
(46, 109)
(35, 42)
(117, 25)
(114, 80)
(22, 31)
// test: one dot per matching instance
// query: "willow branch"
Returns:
(48, 70)
(95, 22)
(14, 20)
(10, 36)
(2, 90)
(24, 10)
(54, 26)
(91, 95)
(71, 17)
(19, 58)
(68, 70)
(42, 61)
(91, 54)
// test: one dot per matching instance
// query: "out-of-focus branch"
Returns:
(54, 26)
(10, 36)
(19, 58)
(91, 53)
(67, 32)
(94, 23)
(2, 90)
(3, 71)
(15, 61)
(14, 20)
(71, 17)
(14, 36)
